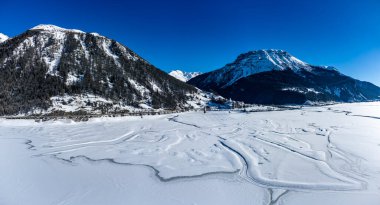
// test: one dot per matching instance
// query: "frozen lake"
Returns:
(315, 155)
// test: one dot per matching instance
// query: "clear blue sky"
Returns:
(203, 35)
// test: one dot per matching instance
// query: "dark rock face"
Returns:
(268, 81)
(51, 61)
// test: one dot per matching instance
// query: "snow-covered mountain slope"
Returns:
(184, 76)
(256, 62)
(3, 37)
(48, 61)
(53, 28)
(276, 77)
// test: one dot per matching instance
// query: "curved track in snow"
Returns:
(309, 150)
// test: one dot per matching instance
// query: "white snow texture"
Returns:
(183, 76)
(314, 155)
(3, 37)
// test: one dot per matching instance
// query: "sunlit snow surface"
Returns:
(316, 155)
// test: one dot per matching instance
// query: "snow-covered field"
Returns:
(316, 155)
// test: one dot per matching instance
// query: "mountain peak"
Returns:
(53, 28)
(278, 59)
(183, 76)
(274, 76)
(257, 61)
(63, 65)
(3, 37)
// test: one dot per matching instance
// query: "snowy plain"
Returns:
(313, 155)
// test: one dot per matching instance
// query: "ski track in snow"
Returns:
(282, 152)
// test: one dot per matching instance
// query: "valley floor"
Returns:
(315, 155)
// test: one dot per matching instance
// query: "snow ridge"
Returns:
(3, 37)
(183, 76)
(256, 62)
(53, 28)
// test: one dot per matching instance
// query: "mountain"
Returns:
(3, 37)
(48, 68)
(276, 77)
(183, 76)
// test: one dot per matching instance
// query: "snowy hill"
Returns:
(49, 66)
(3, 37)
(183, 76)
(276, 77)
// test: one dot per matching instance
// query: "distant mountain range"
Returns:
(276, 77)
(183, 76)
(48, 68)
